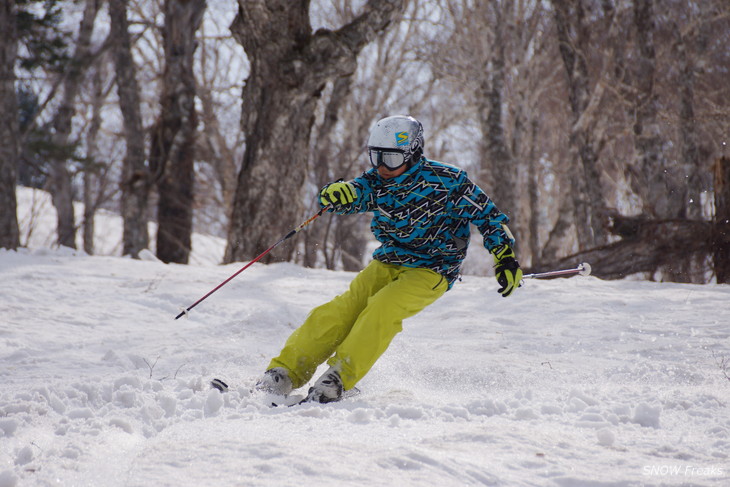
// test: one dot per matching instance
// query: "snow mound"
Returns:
(573, 382)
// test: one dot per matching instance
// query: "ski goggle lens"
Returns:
(389, 158)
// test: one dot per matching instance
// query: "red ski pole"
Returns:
(256, 259)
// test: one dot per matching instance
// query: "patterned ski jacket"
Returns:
(421, 218)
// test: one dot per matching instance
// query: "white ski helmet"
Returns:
(395, 141)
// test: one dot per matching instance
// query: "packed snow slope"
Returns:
(569, 382)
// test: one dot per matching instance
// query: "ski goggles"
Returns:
(390, 158)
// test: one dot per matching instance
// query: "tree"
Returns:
(654, 182)
(490, 98)
(721, 234)
(9, 128)
(172, 150)
(290, 67)
(220, 139)
(135, 180)
(92, 151)
(60, 177)
(574, 26)
(36, 27)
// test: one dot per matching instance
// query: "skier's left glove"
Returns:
(506, 270)
(338, 193)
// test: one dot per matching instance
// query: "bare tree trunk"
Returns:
(690, 148)
(61, 191)
(172, 153)
(502, 172)
(342, 239)
(558, 236)
(220, 152)
(573, 36)
(656, 184)
(721, 236)
(9, 128)
(687, 180)
(135, 182)
(324, 157)
(92, 152)
(654, 178)
(60, 180)
(289, 69)
(533, 195)
(88, 226)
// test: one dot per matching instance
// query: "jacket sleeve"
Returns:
(364, 201)
(473, 204)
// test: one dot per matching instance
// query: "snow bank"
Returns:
(37, 221)
(572, 382)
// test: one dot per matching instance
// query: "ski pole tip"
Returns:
(584, 269)
(183, 312)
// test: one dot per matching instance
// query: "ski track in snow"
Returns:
(570, 382)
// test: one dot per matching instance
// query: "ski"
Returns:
(286, 401)
(345, 395)
(219, 384)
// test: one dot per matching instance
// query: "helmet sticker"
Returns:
(401, 138)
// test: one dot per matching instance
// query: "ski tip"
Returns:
(219, 384)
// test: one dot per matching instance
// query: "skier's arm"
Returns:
(478, 208)
(347, 197)
(497, 237)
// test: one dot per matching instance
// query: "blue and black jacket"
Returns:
(421, 218)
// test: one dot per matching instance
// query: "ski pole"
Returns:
(583, 269)
(256, 259)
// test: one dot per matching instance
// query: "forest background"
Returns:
(600, 127)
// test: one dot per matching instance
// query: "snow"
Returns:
(569, 382)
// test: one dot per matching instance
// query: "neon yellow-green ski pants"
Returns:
(356, 327)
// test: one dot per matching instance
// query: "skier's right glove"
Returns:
(506, 270)
(338, 193)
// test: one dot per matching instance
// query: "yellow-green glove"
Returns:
(506, 270)
(338, 193)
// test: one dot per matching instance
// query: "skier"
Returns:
(421, 215)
